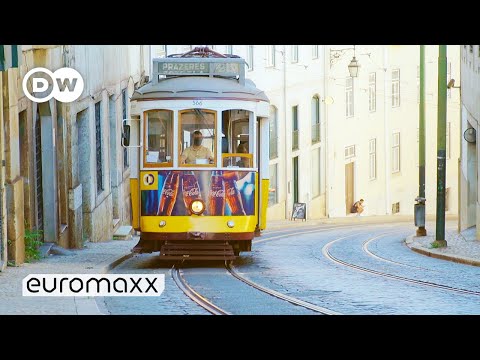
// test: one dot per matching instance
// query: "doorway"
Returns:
(295, 179)
(349, 188)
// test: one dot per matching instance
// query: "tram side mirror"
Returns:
(131, 133)
(126, 135)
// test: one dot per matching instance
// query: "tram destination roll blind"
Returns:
(199, 68)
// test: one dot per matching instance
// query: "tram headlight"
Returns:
(197, 207)
(162, 223)
(230, 224)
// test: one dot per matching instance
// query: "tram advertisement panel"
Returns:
(224, 193)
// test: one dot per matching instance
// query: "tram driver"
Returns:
(196, 151)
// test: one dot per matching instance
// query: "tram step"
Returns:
(197, 252)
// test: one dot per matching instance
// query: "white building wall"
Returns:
(326, 77)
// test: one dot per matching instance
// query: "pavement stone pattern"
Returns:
(461, 247)
(171, 302)
(94, 258)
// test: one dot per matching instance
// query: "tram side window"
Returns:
(197, 137)
(159, 137)
(236, 139)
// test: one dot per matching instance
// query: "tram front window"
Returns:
(236, 139)
(159, 135)
(197, 137)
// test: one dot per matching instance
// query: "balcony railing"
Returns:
(273, 148)
(295, 140)
(315, 133)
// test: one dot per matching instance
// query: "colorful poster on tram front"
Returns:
(224, 193)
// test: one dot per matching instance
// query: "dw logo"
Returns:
(65, 85)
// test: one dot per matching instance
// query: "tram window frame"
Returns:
(180, 138)
(240, 159)
(145, 140)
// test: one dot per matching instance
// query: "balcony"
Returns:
(315, 133)
(273, 148)
(295, 140)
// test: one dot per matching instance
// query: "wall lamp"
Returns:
(354, 65)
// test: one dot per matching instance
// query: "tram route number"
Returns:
(197, 102)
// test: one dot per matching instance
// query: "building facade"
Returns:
(66, 173)
(335, 139)
(469, 210)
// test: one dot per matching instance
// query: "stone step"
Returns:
(123, 233)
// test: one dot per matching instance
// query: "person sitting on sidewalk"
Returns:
(358, 207)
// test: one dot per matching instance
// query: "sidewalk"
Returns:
(94, 258)
(347, 220)
(461, 247)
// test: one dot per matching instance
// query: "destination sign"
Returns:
(198, 68)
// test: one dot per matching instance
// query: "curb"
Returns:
(99, 302)
(116, 262)
(438, 255)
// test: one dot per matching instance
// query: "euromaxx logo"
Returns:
(65, 85)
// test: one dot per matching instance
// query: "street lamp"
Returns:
(354, 65)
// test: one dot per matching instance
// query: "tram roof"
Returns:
(202, 87)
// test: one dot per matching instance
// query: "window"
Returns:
(98, 146)
(270, 55)
(197, 137)
(316, 172)
(314, 51)
(229, 49)
(396, 153)
(236, 148)
(125, 116)
(273, 132)
(250, 57)
(349, 97)
(396, 88)
(372, 92)
(447, 144)
(395, 208)
(158, 138)
(295, 127)
(158, 51)
(372, 157)
(294, 53)
(315, 119)
(349, 151)
(273, 188)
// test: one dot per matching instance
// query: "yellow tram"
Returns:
(198, 137)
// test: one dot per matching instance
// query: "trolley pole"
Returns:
(420, 206)
(441, 146)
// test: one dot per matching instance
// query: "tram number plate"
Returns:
(197, 103)
(226, 68)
